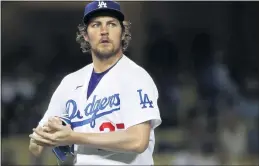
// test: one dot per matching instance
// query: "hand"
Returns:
(61, 136)
(35, 148)
(35, 139)
(54, 120)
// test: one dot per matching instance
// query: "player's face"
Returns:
(104, 33)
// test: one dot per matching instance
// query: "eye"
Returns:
(112, 24)
(95, 25)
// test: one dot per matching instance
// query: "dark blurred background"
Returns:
(203, 56)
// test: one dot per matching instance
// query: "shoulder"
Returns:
(133, 69)
(135, 72)
(77, 77)
(136, 76)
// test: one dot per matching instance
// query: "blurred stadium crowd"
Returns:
(209, 100)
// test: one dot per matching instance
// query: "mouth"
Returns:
(104, 41)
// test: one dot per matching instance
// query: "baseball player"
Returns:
(110, 105)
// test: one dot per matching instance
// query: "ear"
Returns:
(123, 36)
(126, 25)
(86, 37)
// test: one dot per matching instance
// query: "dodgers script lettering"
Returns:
(93, 110)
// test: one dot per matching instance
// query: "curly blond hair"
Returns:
(85, 46)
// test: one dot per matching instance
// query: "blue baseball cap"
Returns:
(106, 6)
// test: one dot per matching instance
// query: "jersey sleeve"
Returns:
(139, 103)
(56, 105)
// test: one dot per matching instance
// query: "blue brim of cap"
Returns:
(110, 12)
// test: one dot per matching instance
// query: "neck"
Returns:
(101, 65)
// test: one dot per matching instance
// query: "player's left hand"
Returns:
(61, 136)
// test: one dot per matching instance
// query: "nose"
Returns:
(104, 30)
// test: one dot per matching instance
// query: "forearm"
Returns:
(119, 141)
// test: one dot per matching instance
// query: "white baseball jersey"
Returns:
(124, 97)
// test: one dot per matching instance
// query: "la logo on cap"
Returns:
(102, 4)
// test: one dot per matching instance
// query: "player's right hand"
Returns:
(34, 148)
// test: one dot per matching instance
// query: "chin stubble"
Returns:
(106, 55)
